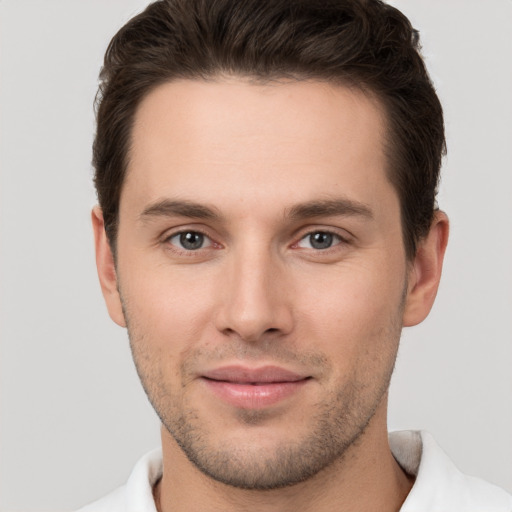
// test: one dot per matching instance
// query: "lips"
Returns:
(264, 375)
(253, 388)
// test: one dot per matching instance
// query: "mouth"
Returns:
(253, 388)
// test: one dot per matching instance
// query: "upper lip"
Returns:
(264, 374)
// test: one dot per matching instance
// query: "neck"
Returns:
(367, 477)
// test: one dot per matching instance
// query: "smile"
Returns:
(253, 388)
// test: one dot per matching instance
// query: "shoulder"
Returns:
(439, 485)
(137, 493)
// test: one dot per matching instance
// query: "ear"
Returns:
(425, 271)
(106, 268)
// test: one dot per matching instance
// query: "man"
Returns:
(266, 173)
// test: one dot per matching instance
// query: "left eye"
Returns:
(319, 240)
(190, 240)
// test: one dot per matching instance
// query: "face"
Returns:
(261, 272)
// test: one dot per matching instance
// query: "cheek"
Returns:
(166, 318)
(358, 311)
(167, 306)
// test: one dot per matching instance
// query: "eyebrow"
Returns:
(180, 208)
(307, 210)
(329, 208)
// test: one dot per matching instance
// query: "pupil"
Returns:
(321, 240)
(191, 240)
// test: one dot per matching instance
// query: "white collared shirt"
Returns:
(439, 485)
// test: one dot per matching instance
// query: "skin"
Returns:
(256, 170)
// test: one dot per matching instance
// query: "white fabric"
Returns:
(439, 485)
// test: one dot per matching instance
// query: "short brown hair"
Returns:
(363, 43)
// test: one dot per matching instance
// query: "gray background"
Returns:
(73, 417)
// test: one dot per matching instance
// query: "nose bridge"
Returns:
(255, 300)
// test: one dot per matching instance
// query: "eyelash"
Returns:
(193, 252)
(336, 236)
(189, 252)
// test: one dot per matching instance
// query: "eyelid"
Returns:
(335, 236)
(176, 231)
(205, 237)
(344, 235)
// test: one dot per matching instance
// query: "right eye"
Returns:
(189, 240)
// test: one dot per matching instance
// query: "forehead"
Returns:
(230, 138)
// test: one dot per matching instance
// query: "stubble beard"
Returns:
(337, 424)
(336, 428)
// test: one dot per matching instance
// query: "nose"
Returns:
(255, 301)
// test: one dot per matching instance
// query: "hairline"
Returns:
(219, 76)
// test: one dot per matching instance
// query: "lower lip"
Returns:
(249, 396)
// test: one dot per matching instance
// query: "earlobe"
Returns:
(106, 268)
(425, 272)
